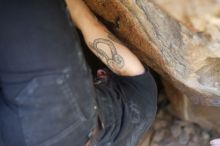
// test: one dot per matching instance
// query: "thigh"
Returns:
(10, 129)
(37, 39)
(46, 84)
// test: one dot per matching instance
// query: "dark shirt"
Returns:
(124, 103)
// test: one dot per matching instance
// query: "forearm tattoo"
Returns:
(113, 60)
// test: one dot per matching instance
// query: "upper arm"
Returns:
(102, 43)
(114, 53)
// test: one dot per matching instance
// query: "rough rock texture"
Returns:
(202, 16)
(171, 131)
(188, 59)
(206, 116)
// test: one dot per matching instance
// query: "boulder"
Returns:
(184, 50)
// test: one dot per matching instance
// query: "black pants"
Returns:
(46, 88)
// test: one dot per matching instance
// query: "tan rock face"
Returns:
(205, 116)
(188, 59)
(171, 131)
(202, 16)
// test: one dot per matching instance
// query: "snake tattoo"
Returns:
(115, 60)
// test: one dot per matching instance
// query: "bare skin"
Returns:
(104, 45)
